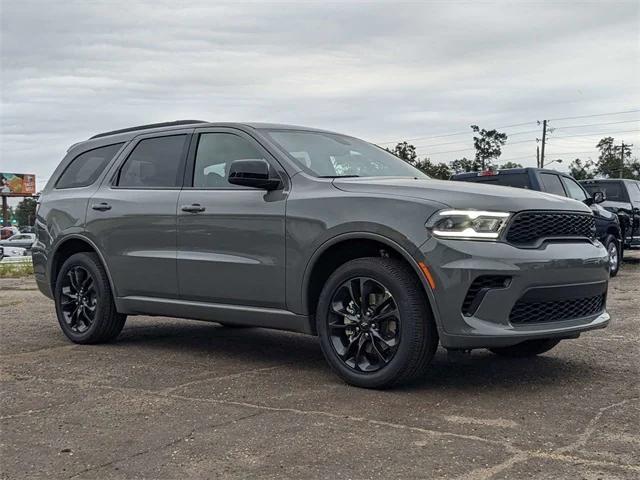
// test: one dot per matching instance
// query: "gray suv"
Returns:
(312, 231)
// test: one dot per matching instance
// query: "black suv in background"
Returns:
(622, 197)
(608, 228)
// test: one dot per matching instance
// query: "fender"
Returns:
(411, 259)
(77, 236)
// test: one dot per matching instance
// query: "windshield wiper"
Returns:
(338, 176)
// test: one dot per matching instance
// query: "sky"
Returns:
(382, 71)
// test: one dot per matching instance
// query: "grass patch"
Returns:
(16, 269)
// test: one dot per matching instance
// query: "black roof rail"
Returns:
(148, 126)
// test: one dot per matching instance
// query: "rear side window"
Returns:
(154, 162)
(87, 167)
(551, 184)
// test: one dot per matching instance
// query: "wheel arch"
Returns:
(71, 245)
(349, 246)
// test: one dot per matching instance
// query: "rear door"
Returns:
(132, 217)
(231, 239)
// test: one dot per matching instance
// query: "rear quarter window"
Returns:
(87, 167)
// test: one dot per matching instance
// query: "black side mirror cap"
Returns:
(253, 173)
(599, 197)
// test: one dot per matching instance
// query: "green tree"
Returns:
(488, 145)
(510, 165)
(463, 164)
(25, 212)
(610, 160)
(582, 170)
(405, 151)
(434, 170)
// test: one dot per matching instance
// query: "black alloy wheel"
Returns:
(85, 307)
(374, 323)
(364, 324)
(79, 299)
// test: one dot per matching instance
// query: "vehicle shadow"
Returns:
(479, 370)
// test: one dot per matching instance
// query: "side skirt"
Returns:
(215, 312)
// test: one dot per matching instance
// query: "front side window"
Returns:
(87, 167)
(154, 163)
(574, 190)
(331, 155)
(551, 184)
(214, 155)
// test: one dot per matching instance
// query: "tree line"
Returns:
(488, 146)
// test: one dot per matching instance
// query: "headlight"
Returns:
(470, 224)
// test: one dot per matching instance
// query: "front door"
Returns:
(132, 216)
(231, 239)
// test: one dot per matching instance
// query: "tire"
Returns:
(84, 301)
(614, 250)
(232, 325)
(405, 340)
(530, 348)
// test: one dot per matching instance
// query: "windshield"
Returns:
(330, 155)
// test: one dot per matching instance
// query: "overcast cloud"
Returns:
(381, 71)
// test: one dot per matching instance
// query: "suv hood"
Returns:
(461, 194)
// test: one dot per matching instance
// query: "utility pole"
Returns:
(544, 140)
(621, 159)
(538, 156)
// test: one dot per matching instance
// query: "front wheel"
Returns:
(529, 348)
(375, 327)
(613, 249)
(84, 302)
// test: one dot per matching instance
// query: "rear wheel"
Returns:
(375, 326)
(84, 302)
(529, 348)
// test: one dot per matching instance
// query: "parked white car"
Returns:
(22, 240)
(10, 252)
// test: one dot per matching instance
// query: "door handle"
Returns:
(101, 207)
(194, 208)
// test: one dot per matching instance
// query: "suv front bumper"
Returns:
(557, 277)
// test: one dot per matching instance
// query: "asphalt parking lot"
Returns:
(184, 399)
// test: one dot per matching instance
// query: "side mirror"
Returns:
(599, 197)
(252, 173)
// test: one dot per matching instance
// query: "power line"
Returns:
(597, 133)
(594, 115)
(449, 134)
(596, 124)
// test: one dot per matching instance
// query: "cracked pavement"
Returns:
(185, 399)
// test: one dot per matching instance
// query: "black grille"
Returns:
(539, 312)
(528, 227)
(479, 288)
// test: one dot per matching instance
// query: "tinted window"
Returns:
(574, 190)
(517, 180)
(634, 191)
(87, 167)
(551, 184)
(614, 191)
(155, 162)
(215, 153)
